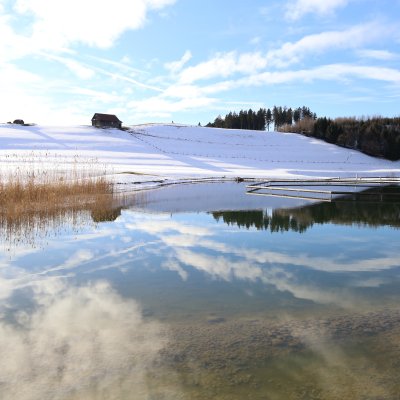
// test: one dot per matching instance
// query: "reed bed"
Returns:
(44, 179)
(30, 194)
(37, 203)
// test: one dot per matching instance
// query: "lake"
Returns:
(203, 292)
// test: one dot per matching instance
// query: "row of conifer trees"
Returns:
(377, 136)
(262, 119)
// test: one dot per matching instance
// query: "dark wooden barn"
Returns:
(106, 121)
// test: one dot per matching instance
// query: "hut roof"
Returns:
(106, 117)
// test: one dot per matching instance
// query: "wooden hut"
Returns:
(106, 121)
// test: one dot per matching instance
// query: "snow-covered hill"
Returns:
(159, 152)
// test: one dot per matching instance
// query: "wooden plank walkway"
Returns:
(317, 189)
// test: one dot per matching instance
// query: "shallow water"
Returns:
(205, 293)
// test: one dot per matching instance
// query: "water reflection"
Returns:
(299, 219)
(153, 305)
(296, 268)
(78, 343)
(279, 221)
(385, 213)
(34, 225)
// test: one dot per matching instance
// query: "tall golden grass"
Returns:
(30, 194)
(35, 204)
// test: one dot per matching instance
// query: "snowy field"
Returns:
(152, 154)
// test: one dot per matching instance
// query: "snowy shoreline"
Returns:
(156, 155)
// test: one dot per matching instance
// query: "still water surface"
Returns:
(204, 293)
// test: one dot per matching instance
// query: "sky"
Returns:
(188, 61)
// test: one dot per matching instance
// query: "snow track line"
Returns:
(244, 157)
(206, 142)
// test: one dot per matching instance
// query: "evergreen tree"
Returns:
(261, 119)
(245, 120)
(289, 116)
(275, 117)
(268, 118)
(219, 122)
(250, 119)
(297, 115)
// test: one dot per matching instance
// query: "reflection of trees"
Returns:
(257, 219)
(349, 212)
(299, 219)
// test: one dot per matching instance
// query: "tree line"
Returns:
(261, 221)
(245, 119)
(263, 118)
(300, 219)
(376, 136)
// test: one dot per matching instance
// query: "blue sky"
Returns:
(190, 60)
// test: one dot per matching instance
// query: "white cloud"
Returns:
(330, 72)
(219, 266)
(30, 97)
(85, 342)
(269, 267)
(181, 237)
(77, 68)
(176, 66)
(91, 22)
(123, 65)
(298, 8)
(74, 261)
(224, 65)
(125, 78)
(53, 28)
(227, 64)
(12, 45)
(383, 55)
(172, 265)
(325, 72)
(354, 37)
(24, 94)
(164, 225)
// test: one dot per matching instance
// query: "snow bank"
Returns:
(149, 154)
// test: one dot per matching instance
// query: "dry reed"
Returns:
(33, 204)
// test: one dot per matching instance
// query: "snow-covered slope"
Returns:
(175, 152)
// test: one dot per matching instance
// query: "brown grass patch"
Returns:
(34, 206)
(31, 194)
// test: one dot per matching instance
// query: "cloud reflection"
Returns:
(192, 244)
(179, 235)
(78, 343)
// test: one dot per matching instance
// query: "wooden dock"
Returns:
(325, 189)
